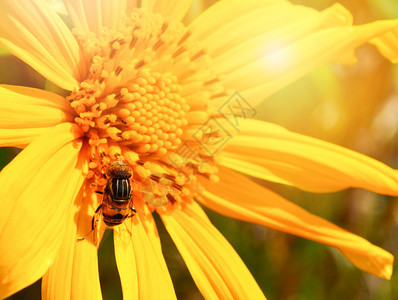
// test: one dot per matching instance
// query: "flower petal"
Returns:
(388, 45)
(143, 271)
(74, 272)
(38, 188)
(255, 17)
(298, 59)
(172, 10)
(35, 33)
(268, 53)
(90, 16)
(271, 152)
(26, 113)
(19, 138)
(239, 197)
(214, 265)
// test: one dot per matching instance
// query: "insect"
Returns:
(117, 202)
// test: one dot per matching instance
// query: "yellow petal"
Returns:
(172, 10)
(90, 16)
(32, 31)
(282, 20)
(37, 189)
(282, 66)
(214, 265)
(388, 45)
(26, 113)
(143, 271)
(238, 197)
(266, 45)
(19, 138)
(276, 154)
(74, 272)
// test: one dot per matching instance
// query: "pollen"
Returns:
(148, 84)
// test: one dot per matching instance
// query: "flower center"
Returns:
(129, 96)
(148, 86)
(146, 113)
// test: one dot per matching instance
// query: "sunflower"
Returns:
(175, 104)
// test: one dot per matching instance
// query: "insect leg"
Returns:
(98, 208)
(125, 223)
(133, 209)
(92, 224)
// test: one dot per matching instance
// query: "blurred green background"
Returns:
(356, 107)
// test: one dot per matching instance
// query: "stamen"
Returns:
(198, 54)
(171, 198)
(140, 64)
(184, 38)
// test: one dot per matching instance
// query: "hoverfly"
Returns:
(117, 202)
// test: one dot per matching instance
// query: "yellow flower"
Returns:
(159, 96)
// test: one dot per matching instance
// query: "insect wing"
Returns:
(97, 227)
(155, 200)
(153, 194)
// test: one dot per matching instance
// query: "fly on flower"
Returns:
(117, 201)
